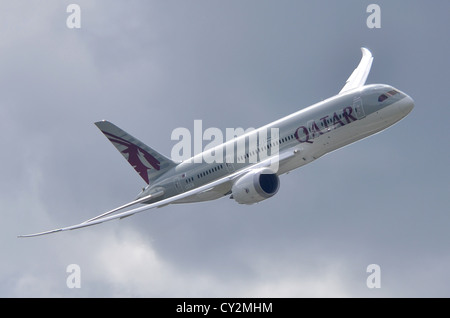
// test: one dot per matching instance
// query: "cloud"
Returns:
(128, 266)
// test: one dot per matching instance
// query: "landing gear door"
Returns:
(358, 106)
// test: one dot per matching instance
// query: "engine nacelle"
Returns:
(255, 186)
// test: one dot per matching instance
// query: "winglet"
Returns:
(359, 76)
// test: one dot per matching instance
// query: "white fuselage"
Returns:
(302, 137)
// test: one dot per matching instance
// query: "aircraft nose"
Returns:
(406, 105)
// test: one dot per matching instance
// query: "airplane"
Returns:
(250, 171)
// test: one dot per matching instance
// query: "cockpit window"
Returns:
(382, 97)
(393, 92)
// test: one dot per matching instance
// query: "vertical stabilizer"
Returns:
(148, 163)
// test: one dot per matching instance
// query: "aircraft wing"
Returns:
(104, 216)
(359, 76)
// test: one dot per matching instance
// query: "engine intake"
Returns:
(255, 186)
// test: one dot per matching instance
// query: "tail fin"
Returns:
(148, 163)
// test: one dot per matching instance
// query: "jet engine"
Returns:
(255, 186)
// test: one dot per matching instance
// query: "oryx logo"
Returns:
(139, 158)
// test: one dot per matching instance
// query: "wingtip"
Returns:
(359, 75)
(39, 234)
(366, 52)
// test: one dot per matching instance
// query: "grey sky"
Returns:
(153, 66)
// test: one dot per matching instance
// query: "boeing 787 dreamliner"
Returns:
(248, 167)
